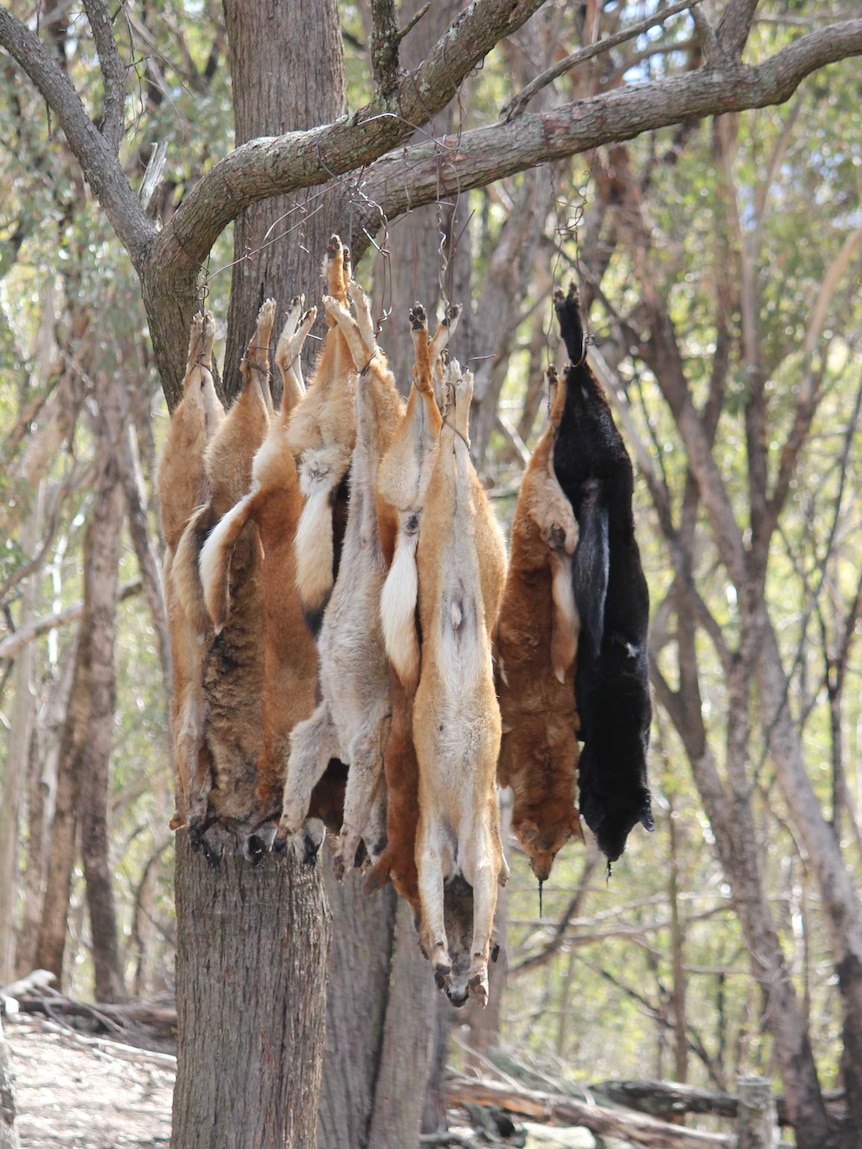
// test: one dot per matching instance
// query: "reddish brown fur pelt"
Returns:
(233, 675)
(535, 645)
(398, 861)
(181, 487)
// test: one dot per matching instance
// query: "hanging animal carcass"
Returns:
(535, 646)
(401, 486)
(352, 720)
(182, 487)
(611, 681)
(461, 563)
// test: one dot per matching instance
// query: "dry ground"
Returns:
(81, 1093)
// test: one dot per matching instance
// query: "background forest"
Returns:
(719, 262)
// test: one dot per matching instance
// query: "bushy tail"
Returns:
(564, 625)
(185, 577)
(398, 610)
(215, 558)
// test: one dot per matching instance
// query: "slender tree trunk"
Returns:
(41, 805)
(51, 942)
(102, 591)
(139, 530)
(18, 758)
(840, 901)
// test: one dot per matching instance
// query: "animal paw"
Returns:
(477, 987)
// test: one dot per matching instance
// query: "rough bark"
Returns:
(251, 951)
(279, 242)
(101, 591)
(377, 1022)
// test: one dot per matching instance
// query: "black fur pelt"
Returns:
(611, 680)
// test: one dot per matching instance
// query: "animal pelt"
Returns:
(535, 648)
(273, 505)
(233, 671)
(321, 434)
(611, 682)
(401, 485)
(180, 480)
(181, 486)
(352, 720)
(461, 562)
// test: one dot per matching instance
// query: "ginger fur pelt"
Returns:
(535, 648)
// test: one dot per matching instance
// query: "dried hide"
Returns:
(273, 505)
(535, 645)
(321, 434)
(401, 485)
(233, 671)
(352, 720)
(181, 485)
(461, 562)
(611, 681)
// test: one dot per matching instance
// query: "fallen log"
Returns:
(669, 1098)
(557, 1109)
(116, 1018)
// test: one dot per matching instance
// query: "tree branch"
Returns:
(386, 40)
(517, 104)
(14, 643)
(424, 172)
(91, 149)
(734, 26)
(113, 77)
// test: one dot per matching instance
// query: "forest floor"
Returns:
(74, 1091)
(80, 1093)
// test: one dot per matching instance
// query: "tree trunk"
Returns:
(424, 245)
(288, 74)
(102, 589)
(51, 942)
(18, 758)
(251, 951)
(41, 804)
(378, 1030)
(840, 902)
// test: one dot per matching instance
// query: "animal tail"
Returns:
(314, 550)
(590, 565)
(398, 608)
(564, 623)
(215, 558)
(184, 573)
